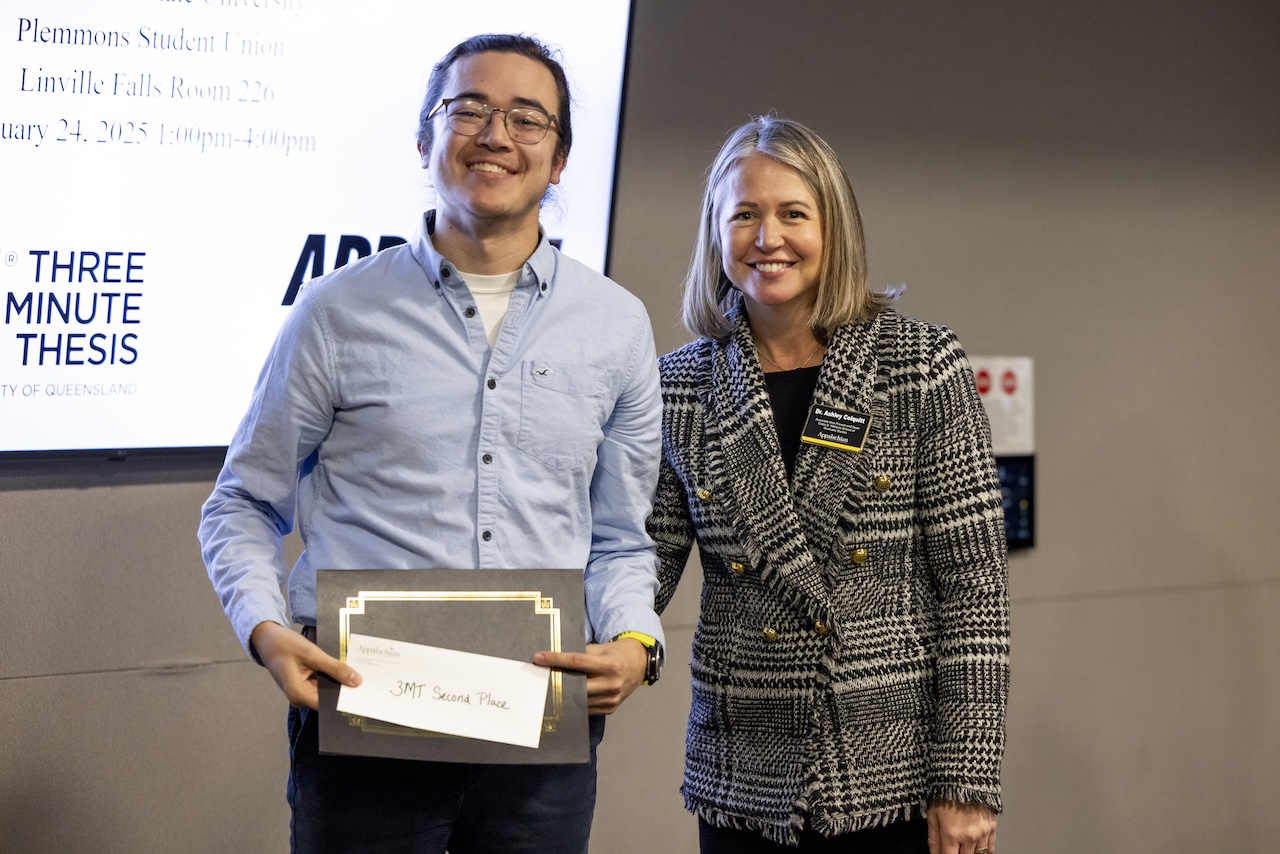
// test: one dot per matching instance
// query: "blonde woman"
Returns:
(832, 461)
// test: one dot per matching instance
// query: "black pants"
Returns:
(365, 805)
(903, 837)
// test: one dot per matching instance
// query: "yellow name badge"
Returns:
(843, 429)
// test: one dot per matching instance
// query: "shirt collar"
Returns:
(538, 270)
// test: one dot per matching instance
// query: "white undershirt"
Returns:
(492, 295)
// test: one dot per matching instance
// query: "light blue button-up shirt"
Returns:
(383, 421)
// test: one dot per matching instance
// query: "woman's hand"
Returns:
(961, 828)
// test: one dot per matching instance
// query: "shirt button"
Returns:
(737, 568)
(704, 495)
(859, 556)
(883, 482)
(446, 272)
(470, 312)
(487, 458)
(770, 633)
(544, 287)
(487, 536)
(492, 383)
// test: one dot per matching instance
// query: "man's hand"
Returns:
(613, 671)
(956, 828)
(293, 661)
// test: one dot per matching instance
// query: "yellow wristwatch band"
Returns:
(640, 636)
(653, 669)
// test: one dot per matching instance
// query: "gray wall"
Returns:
(1093, 184)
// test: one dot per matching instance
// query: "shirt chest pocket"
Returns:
(561, 412)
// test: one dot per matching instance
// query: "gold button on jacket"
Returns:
(859, 556)
(704, 494)
(883, 482)
(770, 633)
(737, 568)
(820, 627)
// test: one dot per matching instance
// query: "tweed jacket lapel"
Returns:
(790, 531)
(829, 484)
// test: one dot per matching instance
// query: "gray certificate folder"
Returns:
(505, 613)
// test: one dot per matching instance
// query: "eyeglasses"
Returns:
(466, 116)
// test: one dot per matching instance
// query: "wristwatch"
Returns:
(653, 671)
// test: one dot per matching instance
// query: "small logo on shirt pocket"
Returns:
(561, 407)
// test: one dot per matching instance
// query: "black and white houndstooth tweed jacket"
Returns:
(851, 660)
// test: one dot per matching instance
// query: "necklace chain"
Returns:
(804, 362)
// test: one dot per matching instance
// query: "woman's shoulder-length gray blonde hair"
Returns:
(843, 293)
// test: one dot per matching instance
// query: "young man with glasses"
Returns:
(473, 398)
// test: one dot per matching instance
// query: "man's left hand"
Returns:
(613, 671)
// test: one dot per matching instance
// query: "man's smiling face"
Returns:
(490, 181)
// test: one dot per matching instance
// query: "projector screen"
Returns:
(175, 170)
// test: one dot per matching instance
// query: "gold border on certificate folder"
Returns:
(542, 606)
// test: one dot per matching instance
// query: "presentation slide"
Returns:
(175, 170)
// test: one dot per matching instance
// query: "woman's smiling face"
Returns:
(770, 232)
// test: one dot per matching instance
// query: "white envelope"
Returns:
(443, 690)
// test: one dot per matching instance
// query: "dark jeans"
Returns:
(903, 837)
(353, 804)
